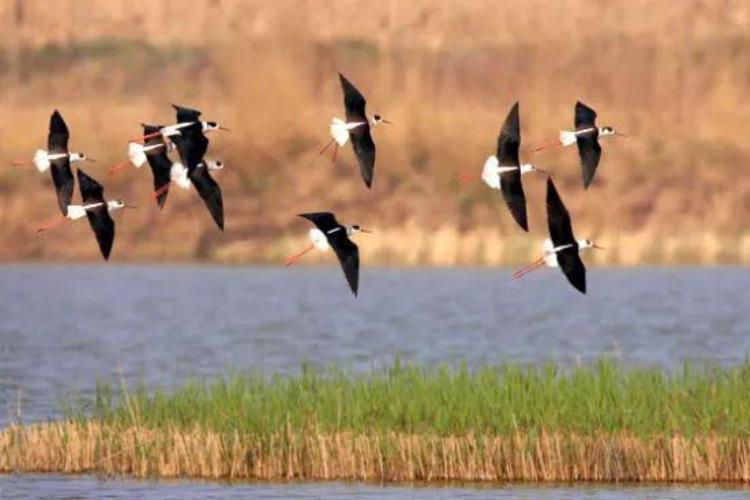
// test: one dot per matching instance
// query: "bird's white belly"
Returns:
(318, 239)
(179, 175)
(490, 174)
(339, 131)
(75, 212)
(136, 154)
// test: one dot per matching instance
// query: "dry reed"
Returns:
(92, 447)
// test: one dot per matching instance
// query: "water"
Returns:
(65, 326)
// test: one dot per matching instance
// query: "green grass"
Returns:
(452, 401)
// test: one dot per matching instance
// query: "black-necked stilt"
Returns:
(197, 173)
(357, 129)
(155, 150)
(96, 209)
(503, 171)
(586, 135)
(57, 159)
(561, 249)
(328, 233)
(186, 118)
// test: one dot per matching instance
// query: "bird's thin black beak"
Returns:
(90, 159)
(542, 171)
(365, 231)
(619, 134)
(133, 207)
(597, 247)
(387, 122)
(225, 129)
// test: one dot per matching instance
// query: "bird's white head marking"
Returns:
(215, 165)
(605, 131)
(77, 157)
(377, 119)
(354, 229)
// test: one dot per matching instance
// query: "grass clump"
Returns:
(445, 401)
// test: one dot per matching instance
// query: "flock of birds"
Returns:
(502, 171)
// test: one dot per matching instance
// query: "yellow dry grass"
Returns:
(71, 447)
(444, 72)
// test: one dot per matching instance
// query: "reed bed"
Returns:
(409, 423)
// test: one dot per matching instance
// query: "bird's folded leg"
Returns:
(114, 170)
(551, 144)
(464, 178)
(531, 267)
(325, 148)
(294, 258)
(335, 152)
(51, 224)
(161, 190)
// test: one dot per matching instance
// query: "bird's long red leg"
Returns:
(161, 190)
(531, 267)
(464, 178)
(294, 258)
(21, 163)
(335, 152)
(325, 148)
(50, 224)
(547, 145)
(145, 137)
(118, 167)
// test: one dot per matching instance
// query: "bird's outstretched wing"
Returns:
(209, 191)
(186, 114)
(589, 149)
(346, 250)
(57, 139)
(192, 143)
(159, 162)
(509, 140)
(62, 178)
(364, 150)
(354, 101)
(99, 219)
(561, 234)
(508, 143)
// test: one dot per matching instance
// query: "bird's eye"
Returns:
(356, 227)
(377, 118)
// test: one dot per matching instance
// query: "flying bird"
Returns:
(57, 160)
(187, 118)
(503, 170)
(155, 150)
(586, 135)
(96, 209)
(329, 233)
(194, 170)
(357, 129)
(561, 249)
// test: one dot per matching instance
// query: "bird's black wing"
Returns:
(348, 255)
(588, 142)
(558, 218)
(99, 219)
(509, 140)
(354, 101)
(364, 150)
(512, 188)
(346, 251)
(209, 190)
(186, 114)
(158, 160)
(62, 178)
(325, 221)
(508, 143)
(561, 234)
(57, 140)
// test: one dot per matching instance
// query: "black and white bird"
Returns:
(154, 151)
(96, 208)
(186, 118)
(57, 160)
(193, 169)
(503, 170)
(356, 128)
(586, 135)
(329, 233)
(561, 249)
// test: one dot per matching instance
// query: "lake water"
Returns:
(64, 327)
